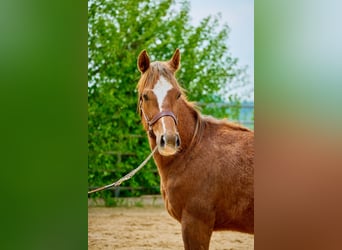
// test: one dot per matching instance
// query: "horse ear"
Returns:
(143, 61)
(175, 60)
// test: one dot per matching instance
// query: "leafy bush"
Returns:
(117, 32)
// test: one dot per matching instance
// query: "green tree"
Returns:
(117, 32)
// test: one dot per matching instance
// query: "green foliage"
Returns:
(117, 32)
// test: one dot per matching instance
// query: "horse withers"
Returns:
(206, 165)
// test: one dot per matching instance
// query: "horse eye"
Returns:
(145, 97)
(178, 95)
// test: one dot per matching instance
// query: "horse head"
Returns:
(159, 101)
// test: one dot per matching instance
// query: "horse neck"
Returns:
(189, 123)
(188, 126)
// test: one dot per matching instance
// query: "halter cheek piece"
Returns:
(151, 122)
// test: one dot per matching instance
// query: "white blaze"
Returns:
(160, 90)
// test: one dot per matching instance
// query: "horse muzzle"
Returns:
(168, 143)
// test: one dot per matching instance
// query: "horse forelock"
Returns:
(153, 74)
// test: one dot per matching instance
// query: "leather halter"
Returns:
(153, 121)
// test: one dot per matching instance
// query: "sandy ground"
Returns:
(148, 228)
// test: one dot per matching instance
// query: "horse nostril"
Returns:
(177, 141)
(162, 141)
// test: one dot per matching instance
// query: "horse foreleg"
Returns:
(196, 232)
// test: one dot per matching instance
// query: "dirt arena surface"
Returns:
(149, 228)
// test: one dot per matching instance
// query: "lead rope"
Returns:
(127, 176)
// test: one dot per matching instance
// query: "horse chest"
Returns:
(174, 200)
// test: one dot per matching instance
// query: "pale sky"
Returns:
(239, 15)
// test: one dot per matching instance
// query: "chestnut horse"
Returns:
(206, 166)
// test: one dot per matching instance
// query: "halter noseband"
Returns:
(151, 122)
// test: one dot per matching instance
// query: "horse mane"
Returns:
(203, 121)
(226, 123)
